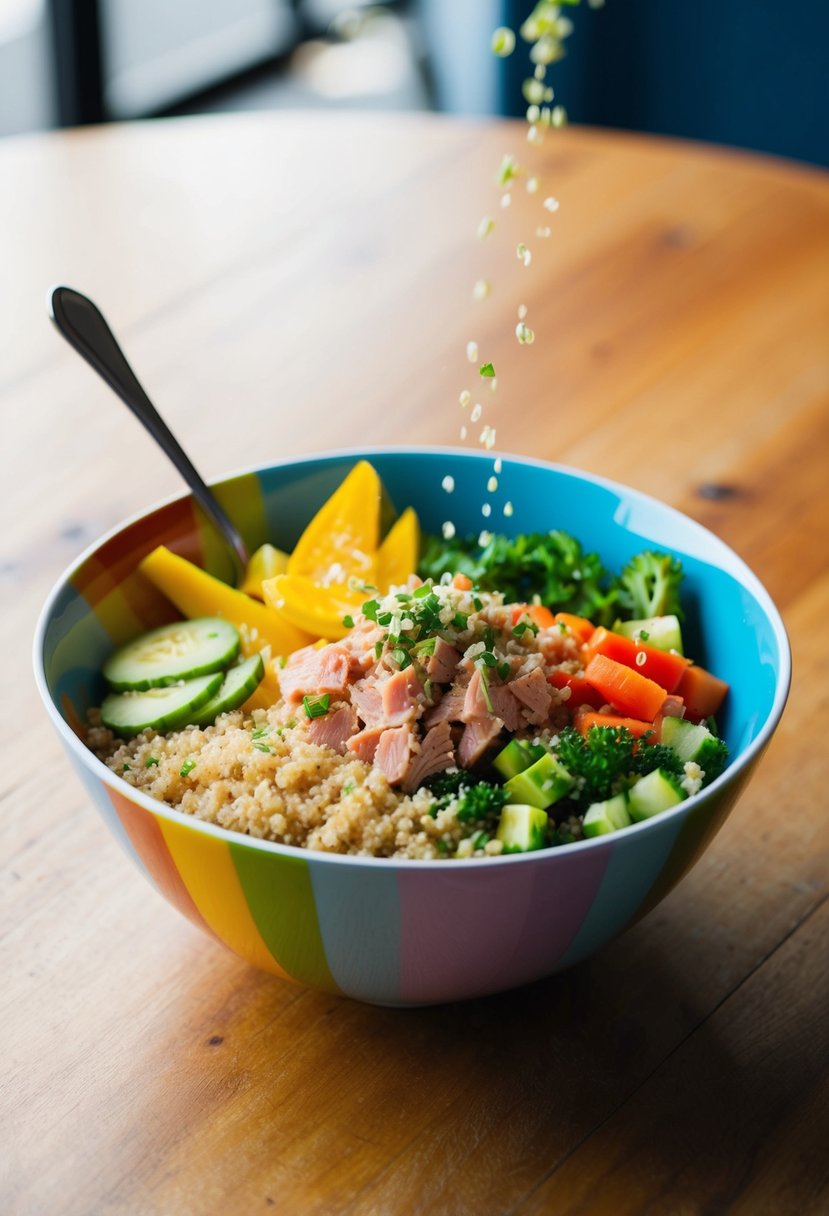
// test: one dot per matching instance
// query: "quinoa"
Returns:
(295, 792)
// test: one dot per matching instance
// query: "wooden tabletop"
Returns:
(288, 284)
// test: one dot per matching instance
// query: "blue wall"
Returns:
(751, 73)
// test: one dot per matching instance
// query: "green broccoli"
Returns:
(649, 586)
(477, 801)
(607, 761)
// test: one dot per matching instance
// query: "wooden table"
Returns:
(290, 284)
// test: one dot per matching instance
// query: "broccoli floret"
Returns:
(656, 755)
(481, 802)
(477, 801)
(649, 585)
(602, 762)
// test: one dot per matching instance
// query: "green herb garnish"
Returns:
(487, 371)
(348, 621)
(316, 707)
(151, 762)
(187, 768)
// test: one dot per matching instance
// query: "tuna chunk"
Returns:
(442, 664)
(400, 697)
(474, 705)
(367, 700)
(436, 754)
(360, 643)
(478, 735)
(364, 744)
(394, 753)
(534, 693)
(448, 709)
(505, 706)
(334, 729)
(312, 671)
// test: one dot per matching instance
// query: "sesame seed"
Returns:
(524, 334)
(464, 432)
(532, 185)
(551, 204)
(477, 410)
(534, 135)
(486, 510)
(508, 508)
(485, 227)
(448, 530)
(522, 311)
(641, 658)
(523, 253)
(492, 485)
(484, 538)
(448, 483)
(506, 199)
(472, 352)
(464, 399)
(498, 465)
(481, 289)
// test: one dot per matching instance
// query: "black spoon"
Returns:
(83, 326)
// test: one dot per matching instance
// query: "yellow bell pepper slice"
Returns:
(398, 554)
(317, 610)
(266, 562)
(196, 593)
(341, 540)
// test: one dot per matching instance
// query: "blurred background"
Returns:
(747, 73)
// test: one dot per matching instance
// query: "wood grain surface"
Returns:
(288, 284)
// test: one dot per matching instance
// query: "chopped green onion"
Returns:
(348, 787)
(261, 731)
(369, 609)
(504, 670)
(126, 769)
(262, 747)
(477, 603)
(187, 767)
(485, 687)
(316, 707)
(151, 762)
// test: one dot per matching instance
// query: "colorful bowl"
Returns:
(413, 932)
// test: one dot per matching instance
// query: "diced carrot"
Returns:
(541, 616)
(518, 610)
(578, 625)
(461, 582)
(661, 666)
(583, 721)
(581, 693)
(624, 688)
(702, 693)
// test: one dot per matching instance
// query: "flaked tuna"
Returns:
(478, 735)
(534, 693)
(364, 744)
(400, 696)
(312, 671)
(443, 663)
(334, 729)
(436, 754)
(448, 709)
(475, 703)
(505, 706)
(368, 701)
(394, 753)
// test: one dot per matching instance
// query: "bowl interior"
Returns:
(731, 626)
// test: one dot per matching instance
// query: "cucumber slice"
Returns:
(657, 792)
(609, 816)
(237, 686)
(540, 785)
(522, 828)
(159, 709)
(518, 755)
(664, 632)
(174, 652)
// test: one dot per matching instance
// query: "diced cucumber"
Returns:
(654, 793)
(540, 785)
(609, 816)
(518, 755)
(522, 828)
(239, 683)
(174, 652)
(693, 741)
(160, 709)
(663, 632)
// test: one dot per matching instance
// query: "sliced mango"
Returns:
(266, 562)
(341, 540)
(398, 554)
(317, 610)
(197, 593)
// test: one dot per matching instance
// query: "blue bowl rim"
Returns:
(735, 566)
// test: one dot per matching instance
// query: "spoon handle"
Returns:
(83, 326)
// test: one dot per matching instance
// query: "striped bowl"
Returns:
(398, 932)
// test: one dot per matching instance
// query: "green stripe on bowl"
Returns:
(281, 900)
